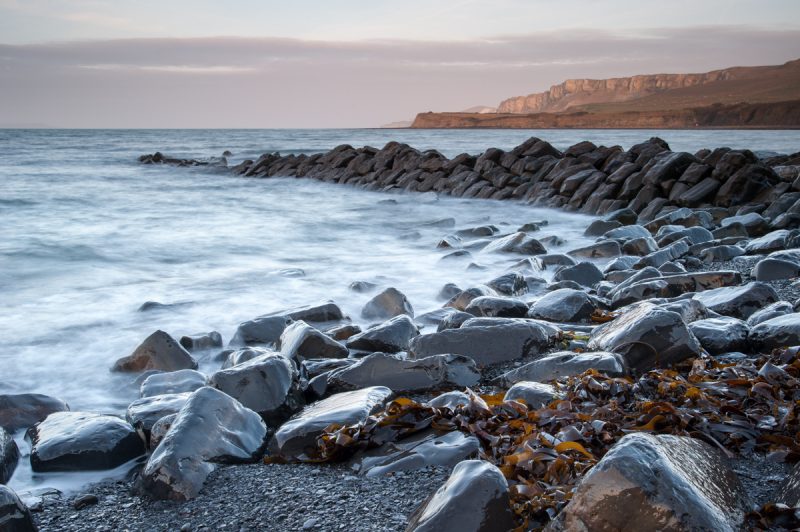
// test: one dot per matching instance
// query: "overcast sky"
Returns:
(304, 63)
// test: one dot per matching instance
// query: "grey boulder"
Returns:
(9, 456)
(14, 515)
(22, 411)
(738, 301)
(534, 394)
(563, 305)
(144, 413)
(779, 308)
(721, 335)
(496, 307)
(388, 304)
(264, 330)
(566, 364)
(777, 332)
(583, 273)
(183, 380)
(202, 341)
(390, 336)
(300, 341)
(159, 351)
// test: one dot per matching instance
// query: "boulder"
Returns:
(390, 336)
(648, 482)
(486, 344)
(475, 498)
(297, 438)
(301, 341)
(720, 253)
(563, 305)
(14, 515)
(184, 380)
(9, 456)
(267, 384)
(565, 364)
(646, 336)
(158, 351)
(754, 223)
(509, 284)
(160, 429)
(496, 307)
(462, 299)
(402, 375)
(674, 251)
(600, 227)
(451, 400)
(202, 341)
(388, 304)
(79, 441)
(690, 310)
(738, 301)
(242, 355)
(650, 285)
(721, 335)
(628, 232)
(599, 250)
(777, 332)
(774, 241)
(518, 242)
(144, 413)
(320, 313)
(424, 449)
(212, 427)
(454, 320)
(534, 394)
(264, 330)
(775, 269)
(780, 308)
(22, 411)
(583, 273)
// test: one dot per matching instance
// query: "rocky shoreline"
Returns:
(659, 370)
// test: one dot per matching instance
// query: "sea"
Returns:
(88, 235)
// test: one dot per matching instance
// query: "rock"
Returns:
(497, 307)
(674, 251)
(239, 356)
(158, 351)
(646, 336)
(454, 320)
(362, 286)
(534, 394)
(14, 515)
(297, 438)
(487, 344)
(424, 449)
(449, 400)
(301, 341)
(160, 429)
(144, 413)
(390, 336)
(600, 250)
(544, 262)
(79, 441)
(620, 264)
(774, 269)
(696, 235)
(184, 380)
(777, 332)
(754, 223)
(474, 499)
(510, 284)
(388, 304)
(780, 308)
(563, 305)
(83, 501)
(449, 291)
(516, 243)
(774, 241)
(264, 330)
(267, 384)
(600, 227)
(199, 342)
(321, 313)
(9, 456)
(583, 273)
(22, 411)
(640, 247)
(721, 335)
(463, 299)
(690, 310)
(789, 490)
(628, 232)
(647, 482)
(401, 375)
(721, 253)
(738, 301)
(565, 364)
(649, 285)
(212, 427)
(344, 332)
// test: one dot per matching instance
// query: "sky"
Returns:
(350, 63)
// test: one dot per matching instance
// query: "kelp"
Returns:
(752, 405)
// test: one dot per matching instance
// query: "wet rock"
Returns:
(565, 364)
(14, 515)
(78, 441)
(663, 482)
(516, 243)
(510, 284)
(296, 439)
(454, 320)
(600, 250)
(424, 449)
(738, 301)
(628, 232)
(674, 251)
(774, 241)
(184, 380)
(388, 304)
(696, 235)
(690, 310)
(267, 384)
(777, 332)
(460, 301)
(22, 411)
(774, 269)
(583, 273)
(212, 427)
(449, 400)
(534, 394)
(474, 499)
(620, 264)
(780, 308)
(478, 232)
(344, 332)
(496, 307)
(158, 351)
(301, 341)
(239, 356)
(160, 429)
(391, 336)
(721, 335)
(264, 330)
(202, 341)
(788, 492)
(83, 501)
(544, 262)
(9, 456)
(402, 375)
(720, 253)
(646, 336)
(362, 287)
(640, 247)
(320, 313)
(754, 223)
(563, 305)
(449, 291)
(144, 413)
(650, 285)
(486, 344)
(600, 227)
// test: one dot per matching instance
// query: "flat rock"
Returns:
(22, 411)
(646, 336)
(388, 304)
(300, 341)
(566, 364)
(475, 498)
(777, 332)
(401, 375)
(662, 482)
(144, 413)
(297, 438)
(738, 301)
(9, 456)
(391, 336)
(14, 515)
(80, 441)
(159, 351)
(496, 307)
(212, 427)
(183, 380)
(721, 335)
(563, 305)
(534, 394)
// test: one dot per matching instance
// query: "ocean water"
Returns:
(87, 235)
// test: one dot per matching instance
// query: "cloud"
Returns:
(279, 82)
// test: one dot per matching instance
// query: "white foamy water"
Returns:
(87, 235)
